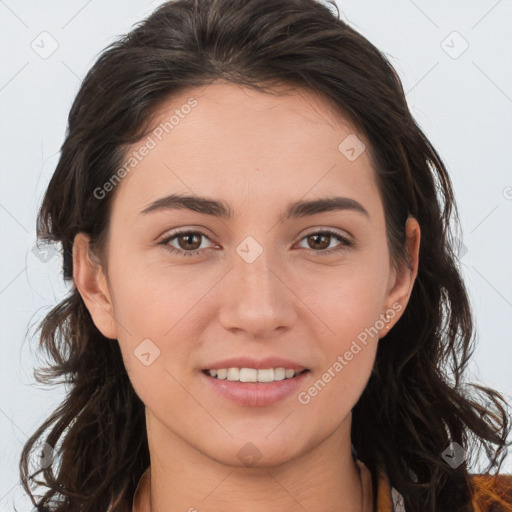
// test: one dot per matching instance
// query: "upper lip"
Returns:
(258, 364)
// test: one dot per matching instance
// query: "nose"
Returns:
(258, 298)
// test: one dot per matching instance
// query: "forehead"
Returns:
(232, 142)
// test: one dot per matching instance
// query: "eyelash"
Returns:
(345, 242)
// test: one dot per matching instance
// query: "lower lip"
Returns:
(256, 394)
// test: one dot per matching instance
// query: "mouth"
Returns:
(254, 389)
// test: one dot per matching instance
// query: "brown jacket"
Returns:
(490, 495)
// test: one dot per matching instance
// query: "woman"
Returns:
(267, 312)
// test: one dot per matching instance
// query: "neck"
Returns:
(325, 478)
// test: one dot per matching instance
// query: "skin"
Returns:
(257, 152)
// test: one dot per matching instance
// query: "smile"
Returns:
(253, 374)
(255, 393)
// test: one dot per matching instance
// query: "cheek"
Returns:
(348, 301)
(150, 296)
(157, 313)
(337, 384)
(351, 308)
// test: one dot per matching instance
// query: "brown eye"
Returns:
(320, 241)
(315, 241)
(188, 242)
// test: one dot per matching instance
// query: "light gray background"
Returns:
(462, 100)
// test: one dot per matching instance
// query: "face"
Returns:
(311, 287)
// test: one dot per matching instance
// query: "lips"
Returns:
(258, 364)
(255, 394)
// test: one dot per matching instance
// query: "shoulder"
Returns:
(492, 493)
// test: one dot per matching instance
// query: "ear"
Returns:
(401, 281)
(91, 283)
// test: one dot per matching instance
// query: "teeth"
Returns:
(248, 375)
(233, 374)
(279, 374)
(252, 374)
(289, 373)
(266, 375)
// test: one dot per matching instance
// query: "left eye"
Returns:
(187, 237)
(191, 246)
(314, 238)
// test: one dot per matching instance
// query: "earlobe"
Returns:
(403, 280)
(91, 283)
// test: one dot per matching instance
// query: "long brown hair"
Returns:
(415, 403)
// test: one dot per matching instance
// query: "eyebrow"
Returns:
(221, 209)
